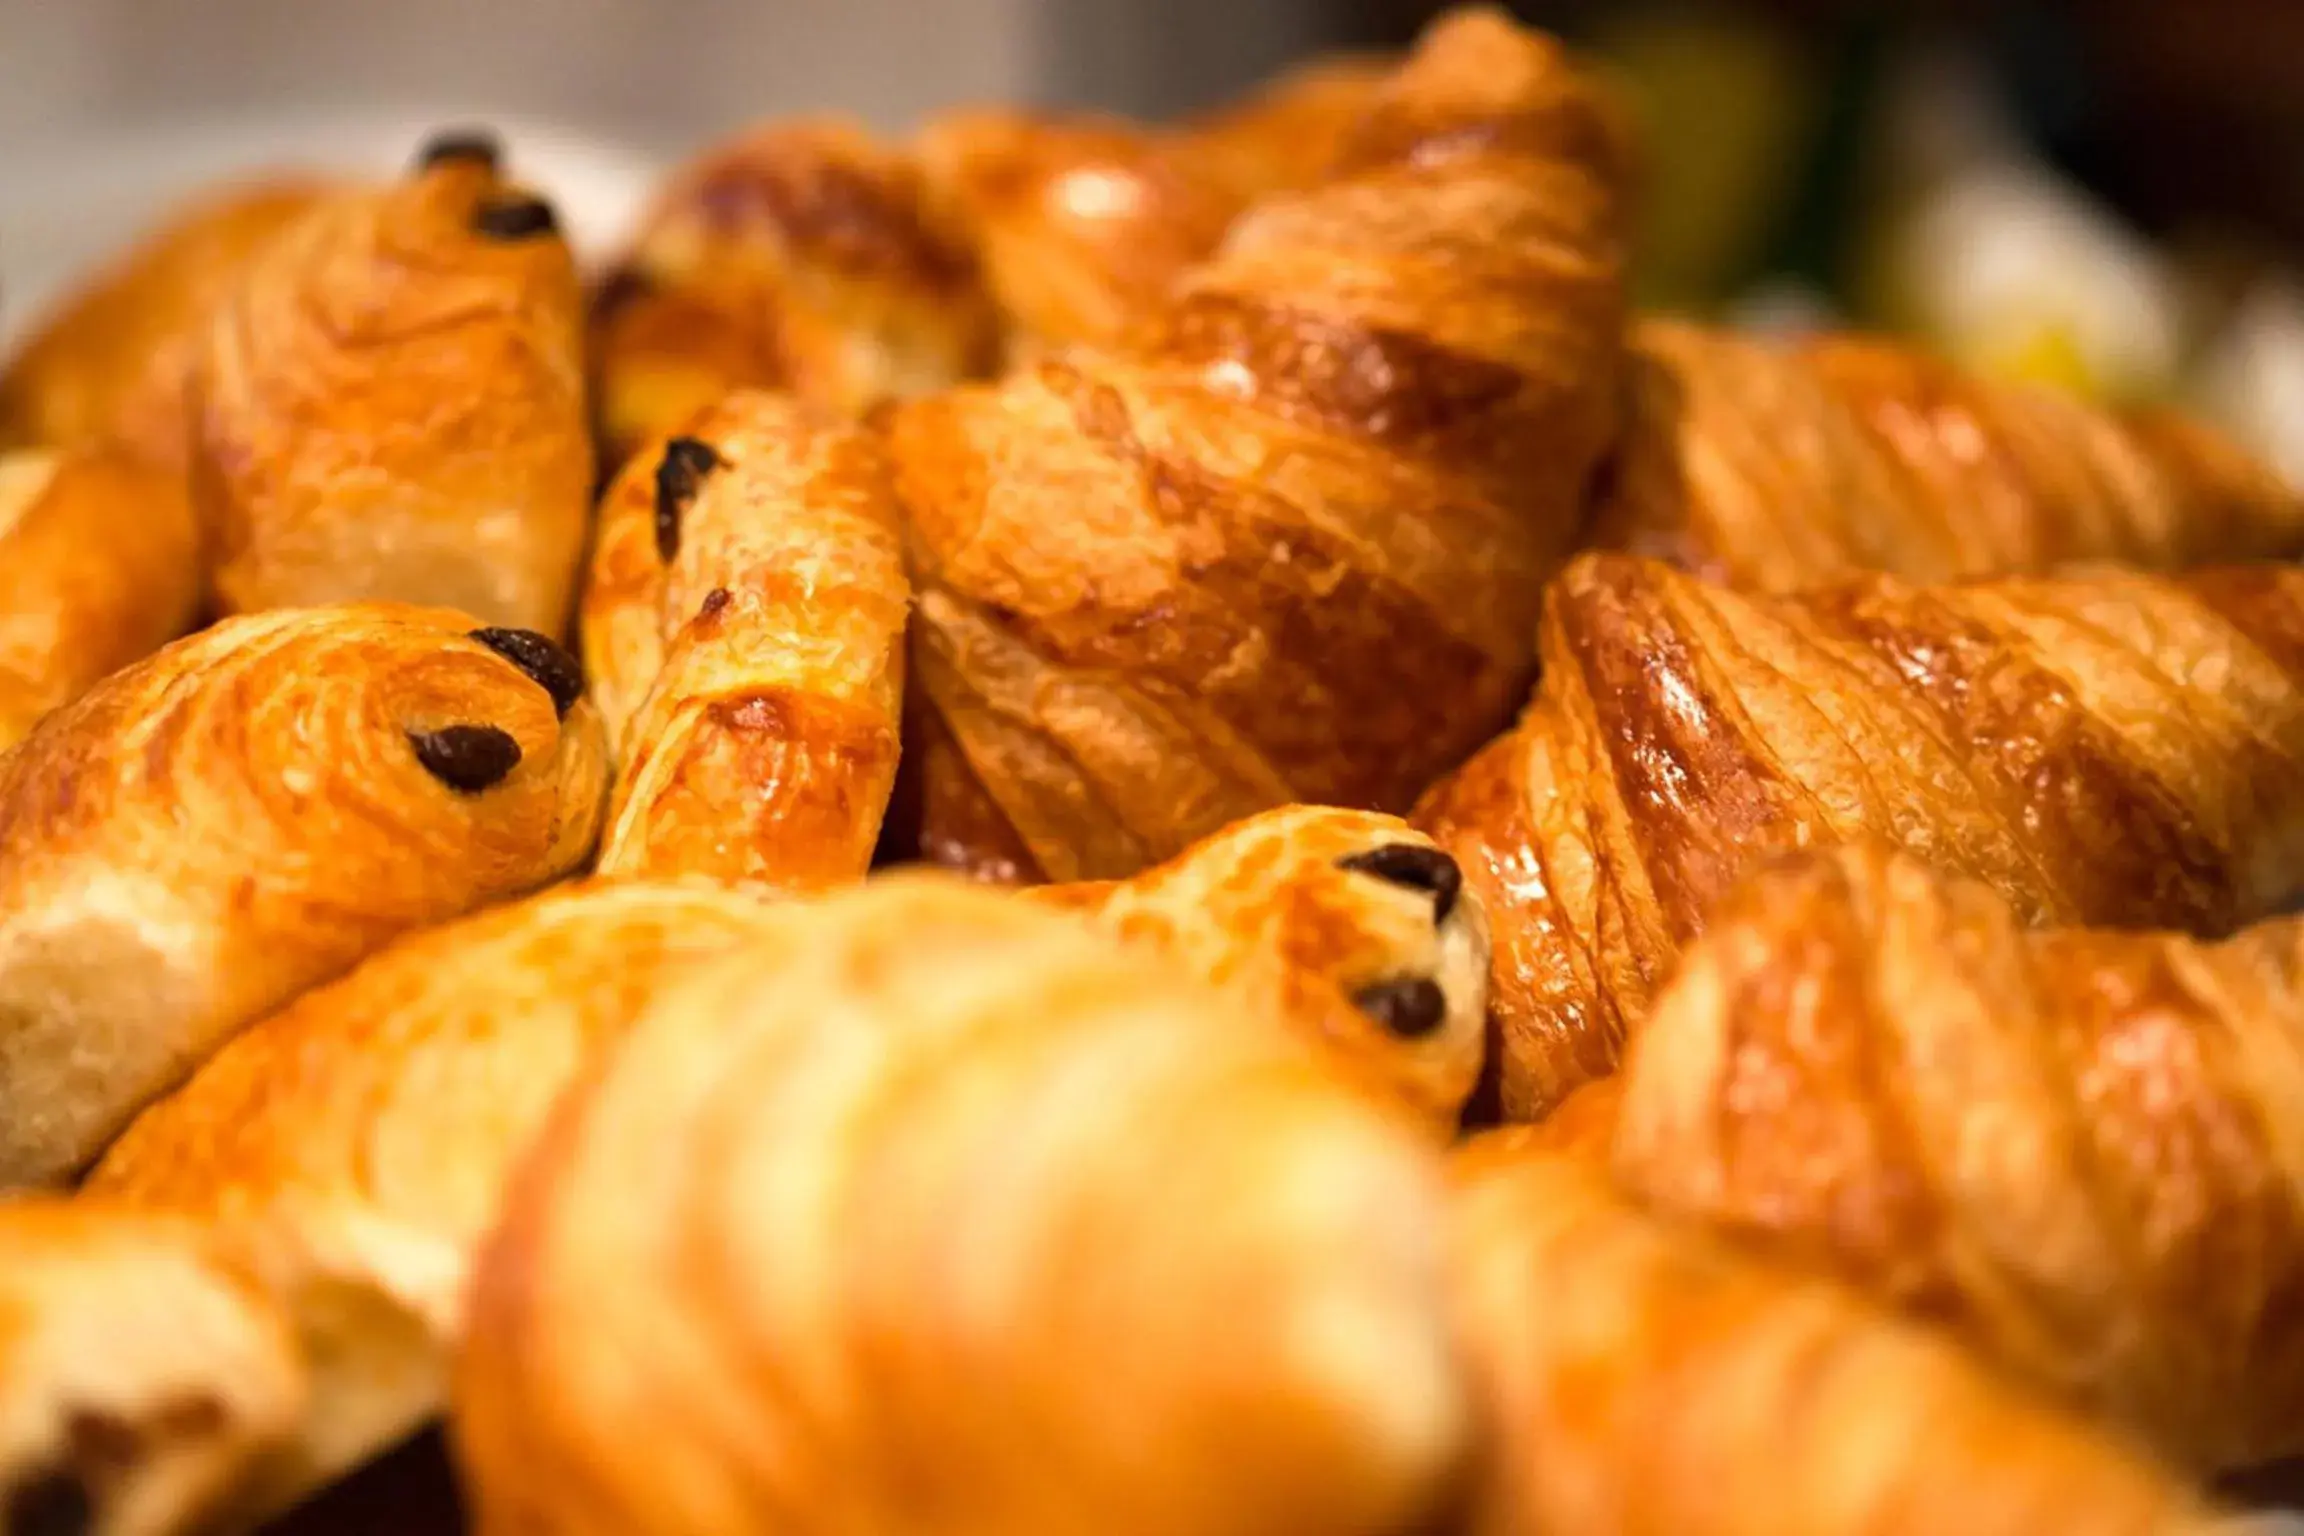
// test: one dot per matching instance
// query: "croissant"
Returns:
(391, 406)
(1638, 1380)
(1082, 223)
(350, 1150)
(2109, 747)
(1284, 135)
(1349, 926)
(1290, 546)
(99, 566)
(805, 256)
(1775, 467)
(933, 1211)
(243, 815)
(744, 627)
(112, 364)
(139, 1378)
(2072, 1145)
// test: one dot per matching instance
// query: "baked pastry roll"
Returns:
(2076, 1146)
(929, 1210)
(1640, 1380)
(1288, 544)
(99, 567)
(350, 1151)
(1081, 223)
(246, 813)
(140, 1379)
(1349, 926)
(112, 363)
(803, 256)
(391, 406)
(1283, 135)
(1779, 466)
(2105, 747)
(744, 629)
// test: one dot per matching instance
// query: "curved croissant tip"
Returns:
(53, 1503)
(1416, 867)
(521, 216)
(546, 664)
(478, 145)
(467, 758)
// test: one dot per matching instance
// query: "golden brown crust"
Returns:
(761, 543)
(1348, 927)
(933, 1209)
(1639, 1380)
(99, 566)
(140, 1380)
(113, 364)
(391, 406)
(350, 1151)
(1775, 468)
(1082, 223)
(1284, 135)
(2078, 1147)
(804, 256)
(2108, 747)
(243, 815)
(1290, 546)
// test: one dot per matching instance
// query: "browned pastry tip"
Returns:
(2107, 746)
(391, 406)
(2075, 1146)
(932, 1210)
(746, 616)
(1348, 927)
(1776, 467)
(140, 1379)
(1083, 223)
(804, 256)
(244, 814)
(1638, 1379)
(1284, 135)
(1287, 543)
(99, 566)
(112, 364)
(349, 1152)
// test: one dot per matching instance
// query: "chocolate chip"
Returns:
(475, 144)
(686, 461)
(517, 217)
(714, 601)
(1415, 866)
(467, 758)
(548, 666)
(52, 1503)
(1409, 1008)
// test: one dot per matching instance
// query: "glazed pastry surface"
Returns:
(1287, 545)
(1350, 927)
(390, 406)
(931, 1210)
(2105, 747)
(1641, 1380)
(140, 1379)
(2076, 1146)
(246, 813)
(1779, 467)
(112, 364)
(350, 1151)
(99, 567)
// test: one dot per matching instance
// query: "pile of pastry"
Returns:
(1835, 1064)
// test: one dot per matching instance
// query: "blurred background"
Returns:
(2105, 195)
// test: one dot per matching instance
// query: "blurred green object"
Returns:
(1728, 104)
